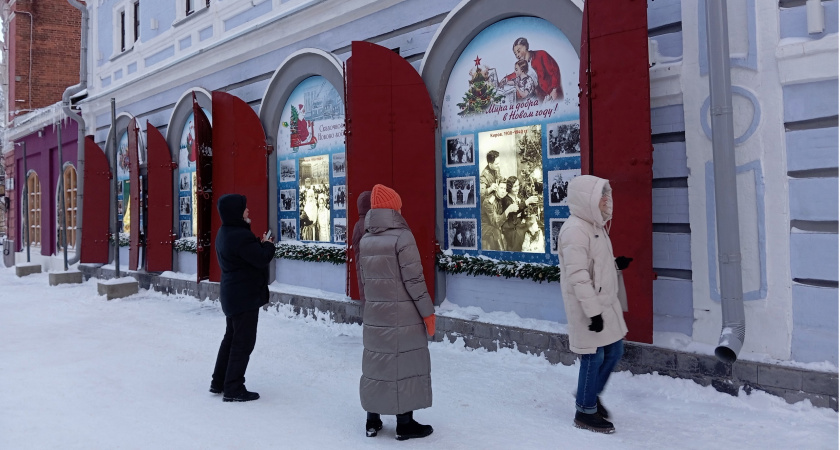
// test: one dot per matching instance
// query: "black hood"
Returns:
(231, 207)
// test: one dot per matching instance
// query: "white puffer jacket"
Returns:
(588, 274)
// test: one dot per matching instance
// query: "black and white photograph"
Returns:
(288, 229)
(339, 165)
(184, 181)
(120, 185)
(184, 207)
(511, 186)
(563, 139)
(460, 192)
(555, 225)
(314, 198)
(340, 229)
(460, 151)
(287, 170)
(340, 197)
(462, 234)
(120, 209)
(186, 228)
(558, 183)
(288, 200)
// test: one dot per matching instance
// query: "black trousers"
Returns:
(235, 352)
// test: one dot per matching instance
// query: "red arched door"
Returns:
(390, 133)
(159, 168)
(95, 216)
(240, 164)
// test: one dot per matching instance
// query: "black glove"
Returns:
(622, 262)
(597, 324)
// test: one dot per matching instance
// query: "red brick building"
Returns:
(41, 53)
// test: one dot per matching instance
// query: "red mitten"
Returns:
(430, 324)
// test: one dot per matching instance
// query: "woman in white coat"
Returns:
(589, 280)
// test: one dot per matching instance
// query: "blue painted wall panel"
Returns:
(815, 307)
(813, 345)
(669, 160)
(811, 149)
(673, 297)
(663, 12)
(670, 44)
(672, 251)
(248, 15)
(793, 22)
(185, 43)
(163, 11)
(813, 198)
(670, 205)
(667, 119)
(810, 100)
(164, 54)
(524, 297)
(205, 33)
(673, 324)
(105, 36)
(813, 256)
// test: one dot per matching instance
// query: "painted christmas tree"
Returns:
(481, 93)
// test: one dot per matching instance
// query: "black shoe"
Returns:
(412, 430)
(372, 427)
(215, 390)
(593, 422)
(244, 396)
(601, 410)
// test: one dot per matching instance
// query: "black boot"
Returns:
(215, 389)
(593, 422)
(601, 410)
(408, 428)
(373, 424)
(244, 396)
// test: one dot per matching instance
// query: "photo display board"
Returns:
(510, 134)
(123, 197)
(311, 165)
(187, 200)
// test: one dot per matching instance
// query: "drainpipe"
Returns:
(726, 198)
(80, 121)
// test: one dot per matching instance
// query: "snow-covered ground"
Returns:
(77, 371)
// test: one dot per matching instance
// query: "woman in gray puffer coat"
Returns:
(589, 280)
(398, 313)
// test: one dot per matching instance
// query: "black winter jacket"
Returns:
(244, 260)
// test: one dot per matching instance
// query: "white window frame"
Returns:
(124, 7)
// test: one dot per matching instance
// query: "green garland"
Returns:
(313, 253)
(454, 264)
(494, 268)
(124, 239)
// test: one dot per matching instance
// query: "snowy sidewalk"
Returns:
(77, 371)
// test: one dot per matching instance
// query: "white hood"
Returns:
(584, 195)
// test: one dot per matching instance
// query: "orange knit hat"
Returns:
(384, 197)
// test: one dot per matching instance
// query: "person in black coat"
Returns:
(244, 261)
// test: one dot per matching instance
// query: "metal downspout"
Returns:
(726, 198)
(80, 121)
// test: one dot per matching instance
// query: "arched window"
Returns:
(33, 208)
(69, 179)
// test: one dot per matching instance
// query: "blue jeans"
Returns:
(595, 370)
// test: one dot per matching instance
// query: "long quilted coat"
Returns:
(396, 368)
(588, 274)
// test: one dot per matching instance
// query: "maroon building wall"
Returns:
(42, 157)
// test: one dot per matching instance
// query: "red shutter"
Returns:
(204, 191)
(159, 168)
(391, 140)
(239, 163)
(620, 145)
(134, 192)
(95, 215)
